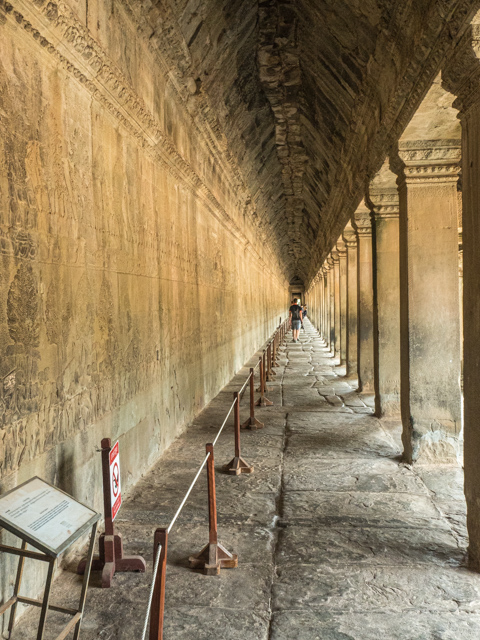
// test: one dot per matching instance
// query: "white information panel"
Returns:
(47, 516)
(115, 486)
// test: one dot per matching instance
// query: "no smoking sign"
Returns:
(115, 486)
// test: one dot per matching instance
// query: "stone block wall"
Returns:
(133, 281)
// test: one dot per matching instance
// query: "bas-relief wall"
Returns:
(127, 298)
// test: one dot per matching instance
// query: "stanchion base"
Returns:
(238, 466)
(263, 402)
(271, 376)
(252, 423)
(266, 390)
(212, 558)
(117, 562)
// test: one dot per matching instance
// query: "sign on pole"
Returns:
(115, 487)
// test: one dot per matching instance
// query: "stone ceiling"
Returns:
(309, 96)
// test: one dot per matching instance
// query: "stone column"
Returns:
(327, 269)
(336, 275)
(326, 329)
(362, 221)
(462, 77)
(429, 318)
(342, 254)
(383, 199)
(350, 239)
(331, 288)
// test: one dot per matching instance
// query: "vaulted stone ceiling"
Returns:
(309, 95)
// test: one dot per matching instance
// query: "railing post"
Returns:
(270, 373)
(263, 401)
(111, 559)
(213, 556)
(158, 599)
(252, 422)
(238, 464)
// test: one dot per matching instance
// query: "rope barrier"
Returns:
(224, 422)
(187, 494)
(152, 589)
(245, 384)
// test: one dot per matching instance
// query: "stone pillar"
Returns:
(429, 317)
(350, 239)
(342, 254)
(362, 221)
(331, 304)
(326, 330)
(383, 199)
(462, 77)
(336, 275)
(327, 269)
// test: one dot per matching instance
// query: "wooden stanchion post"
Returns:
(238, 464)
(158, 600)
(270, 373)
(262, 401)
(263, 373)
(110, 559)
(252, 422)
(213, 556)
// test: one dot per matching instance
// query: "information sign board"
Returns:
(115, 486)
(44, 516)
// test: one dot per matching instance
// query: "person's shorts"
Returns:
(296, 324)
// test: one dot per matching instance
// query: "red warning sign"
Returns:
(115, 486)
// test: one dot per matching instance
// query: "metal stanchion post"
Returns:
(213, 556)
(158, 601)
(238, 464)
(252, 422)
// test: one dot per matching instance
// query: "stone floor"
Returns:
(336, 538)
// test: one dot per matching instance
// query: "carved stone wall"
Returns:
(133, 281)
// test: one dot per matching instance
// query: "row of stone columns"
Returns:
(388, 297)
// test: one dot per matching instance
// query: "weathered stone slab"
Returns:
(361, 509)
(376, 589)
(357, 625)
(390, 546)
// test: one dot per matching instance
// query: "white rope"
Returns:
(187, 494)
(244, 385)
(152, 588)
(224, 422)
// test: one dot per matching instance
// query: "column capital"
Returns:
(335, 256)
(427, 160)
(383, 193)
(341, 248)
(350, 236)
(362, 220)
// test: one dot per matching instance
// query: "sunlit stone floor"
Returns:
(337, 540)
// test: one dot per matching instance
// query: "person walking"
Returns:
(295, 316)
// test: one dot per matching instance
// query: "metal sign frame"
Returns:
(49, 555)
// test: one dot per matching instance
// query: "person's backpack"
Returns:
(295, 312)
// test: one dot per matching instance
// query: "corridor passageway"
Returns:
(336, 537)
